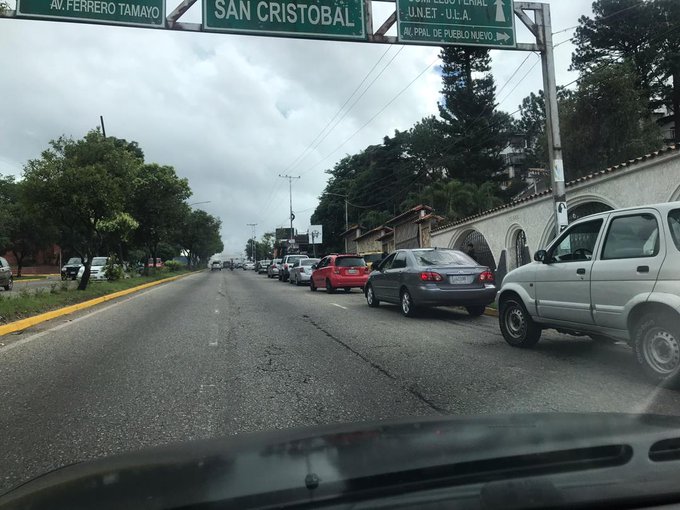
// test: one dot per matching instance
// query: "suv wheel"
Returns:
(10, 284)
(656, 342)
(370, 297)
(312, 287)
(408, 308)
(518, 329)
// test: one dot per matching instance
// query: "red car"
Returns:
(339, 272)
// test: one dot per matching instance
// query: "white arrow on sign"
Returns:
(500, 15)
(501, 36)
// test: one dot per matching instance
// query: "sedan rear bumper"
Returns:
(303, 277)
(349, 281)
(431, 295)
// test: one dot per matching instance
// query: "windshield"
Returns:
(442, 258)
(488, 192)
(350, 262)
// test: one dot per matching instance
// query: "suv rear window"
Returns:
(674, 224)
(350, 262)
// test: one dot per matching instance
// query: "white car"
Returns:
(96, 269)
(249, 266)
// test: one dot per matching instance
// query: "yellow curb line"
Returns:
(22, 324)
(31, 280)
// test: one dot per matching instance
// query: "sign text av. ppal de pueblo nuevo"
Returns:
(467, 22)
(336, 19)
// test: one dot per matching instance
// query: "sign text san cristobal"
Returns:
(335, 19)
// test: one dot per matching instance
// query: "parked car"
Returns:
(216, 265)
(262, 265)
(426, 277)
(301, 271)
(343, 271)
(613, 275)
(6, 278)
(71, 268)
(274, 268)
(249, 266)
(97, 269)
(286, 265)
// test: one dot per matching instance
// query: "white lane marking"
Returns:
(217, 311)
(213, 343)
(339, 306)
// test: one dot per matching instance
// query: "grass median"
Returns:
(60, 294)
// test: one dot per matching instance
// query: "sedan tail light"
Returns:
(486, 277)
(430, 276)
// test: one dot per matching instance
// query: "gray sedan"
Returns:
(431, 277)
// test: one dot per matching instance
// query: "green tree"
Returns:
(606, 121)
(157, 203)
(641, 33)
(199, 235)
(475, 131)
(81, 187)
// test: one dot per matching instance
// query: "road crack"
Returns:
(410, 389)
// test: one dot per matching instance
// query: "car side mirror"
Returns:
(541, 256)
(314, 266)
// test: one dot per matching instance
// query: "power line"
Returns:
(300, 156)
(372, 118)
(357, 100)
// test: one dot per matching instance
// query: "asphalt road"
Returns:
(232, 352)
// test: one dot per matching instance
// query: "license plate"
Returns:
(460, 280)
(352, 271)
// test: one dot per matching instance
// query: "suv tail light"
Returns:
(486, 277)
(430, 276)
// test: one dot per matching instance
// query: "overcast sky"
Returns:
(230, 112)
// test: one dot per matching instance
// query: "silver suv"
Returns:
(613, 275)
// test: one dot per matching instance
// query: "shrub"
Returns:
(173, 265)
(113, 270)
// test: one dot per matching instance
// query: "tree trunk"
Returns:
(20, 262)
(86, 274)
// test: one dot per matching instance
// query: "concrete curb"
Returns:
(22, 324)
(491, 312)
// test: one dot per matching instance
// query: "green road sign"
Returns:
(333, 19)
(148, 13)
(489, 23)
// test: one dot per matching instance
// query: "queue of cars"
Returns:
(412, 278)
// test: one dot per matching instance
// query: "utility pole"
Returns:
(290, 192)
(543, 32)
(252, 246)
(101, 119)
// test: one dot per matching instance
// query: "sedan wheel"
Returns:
(370, 297)
(518, 329)
(408, 308)
(297, 281)
(657, 349)
(10, 284)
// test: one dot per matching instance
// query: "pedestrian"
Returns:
(471, 251)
